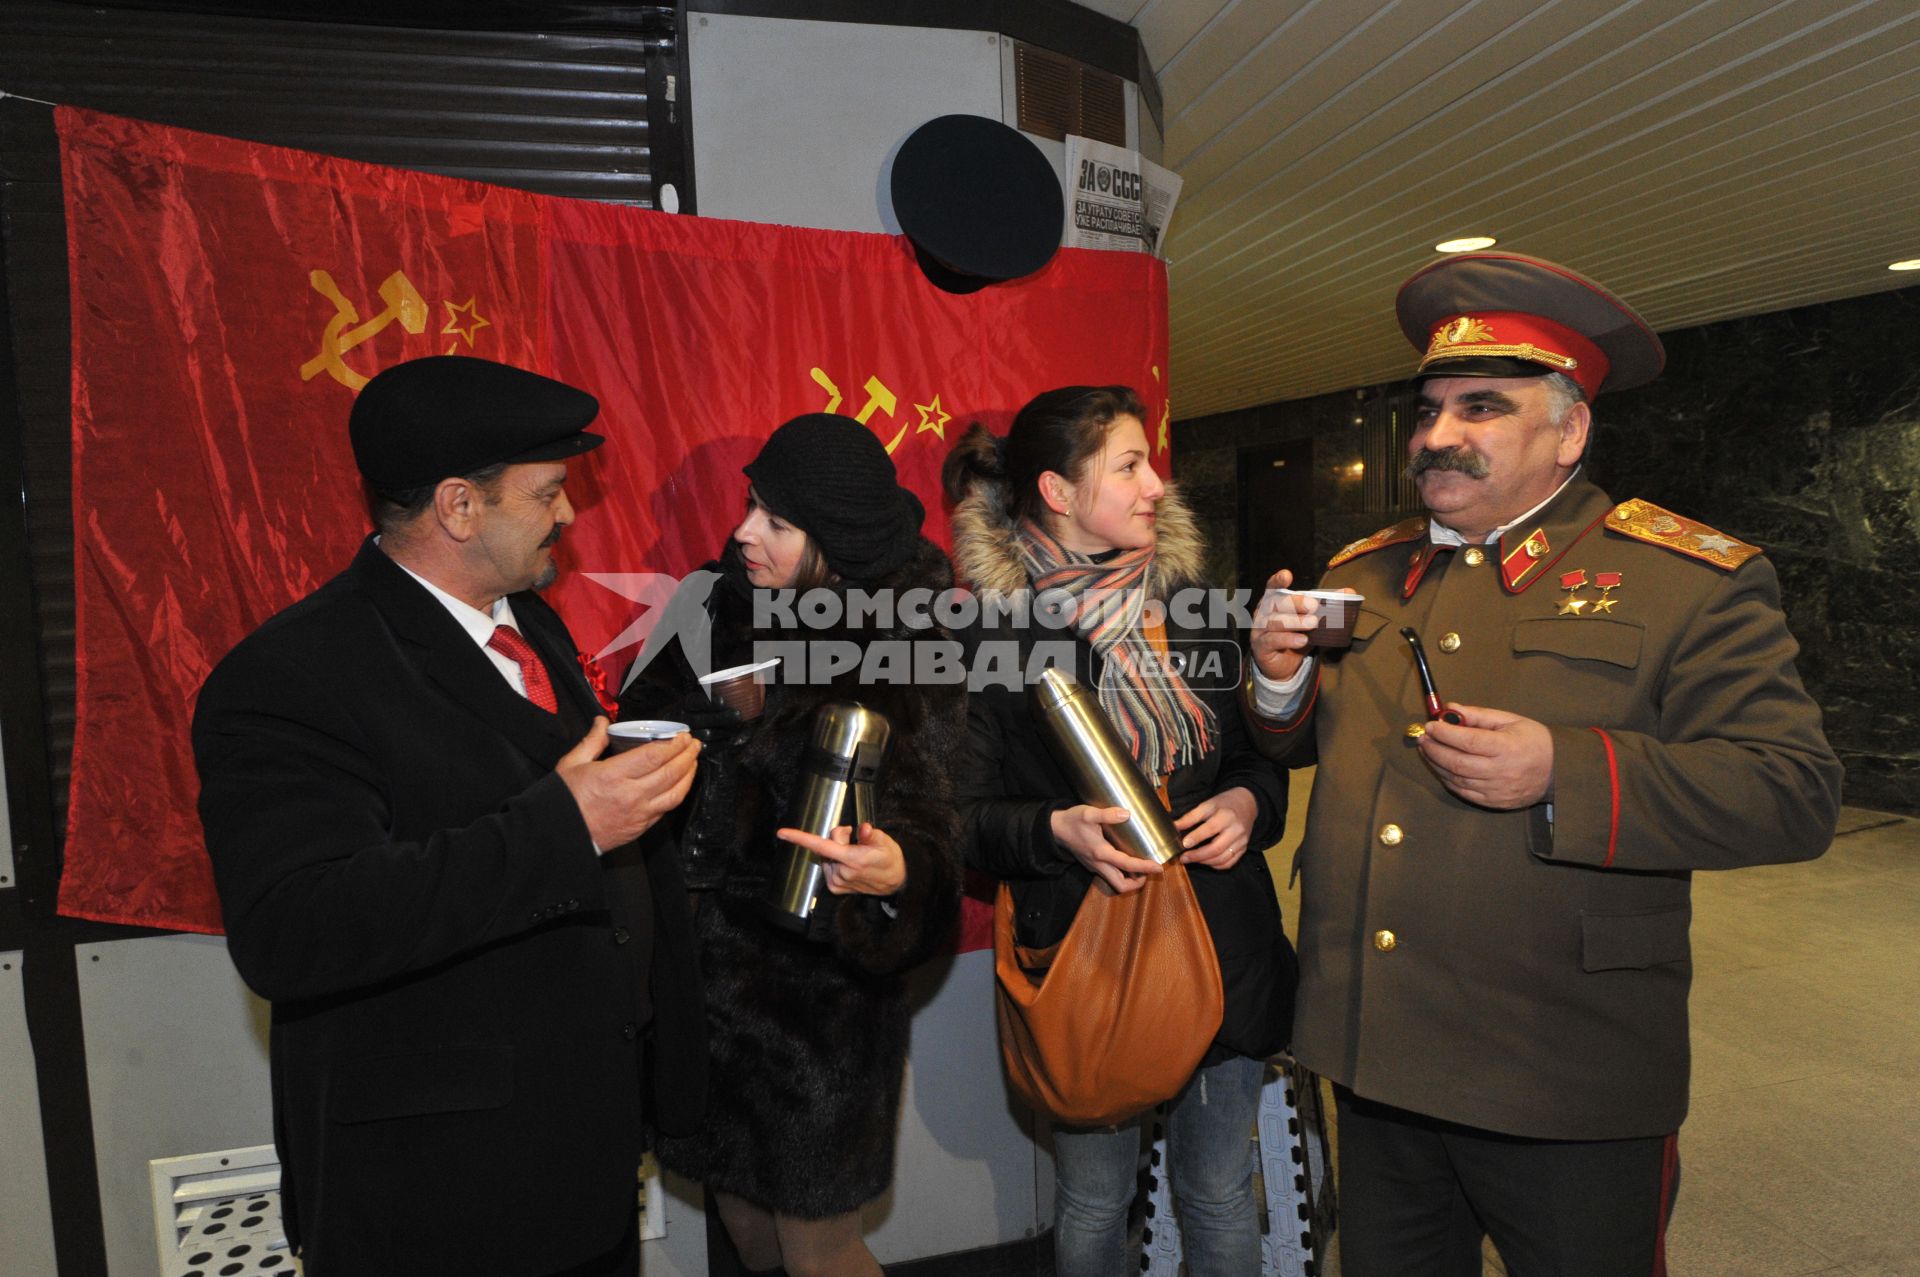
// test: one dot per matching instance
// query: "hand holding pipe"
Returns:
(1434, 706)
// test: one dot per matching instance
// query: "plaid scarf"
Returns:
(1164, 724)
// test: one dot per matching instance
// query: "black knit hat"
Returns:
(831, 477)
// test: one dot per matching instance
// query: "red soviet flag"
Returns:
(228, 301)
(727, 329)
(230, 298)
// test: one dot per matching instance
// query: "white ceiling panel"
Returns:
(1704, 160)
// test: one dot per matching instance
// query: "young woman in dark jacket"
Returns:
(809, 1032)
(1069, 501)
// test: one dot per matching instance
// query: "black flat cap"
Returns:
(979, 201)
(430, 419)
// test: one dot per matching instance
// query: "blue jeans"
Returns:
(1209, 1142)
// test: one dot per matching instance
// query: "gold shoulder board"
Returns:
(1405, 530)
(1645, 521)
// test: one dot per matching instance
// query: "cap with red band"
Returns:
(1504, 315)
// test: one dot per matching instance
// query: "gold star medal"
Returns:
(1572, 582)
(1608, 583)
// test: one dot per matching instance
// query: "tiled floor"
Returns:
(1802, 1153)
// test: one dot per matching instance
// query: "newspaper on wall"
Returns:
(1117, 198)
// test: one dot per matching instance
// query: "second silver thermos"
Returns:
(836, 788)
(1103, 773)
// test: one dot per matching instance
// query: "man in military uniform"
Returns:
(1495, 898)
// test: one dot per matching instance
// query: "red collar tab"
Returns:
(1524, 563)
(1417, 566)
(1531, 558)
(1514, 335)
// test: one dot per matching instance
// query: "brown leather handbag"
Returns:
(1115, 1018)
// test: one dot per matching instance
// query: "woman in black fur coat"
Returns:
(809, 1033)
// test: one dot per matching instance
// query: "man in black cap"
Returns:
(1494, 957)
(426, 867)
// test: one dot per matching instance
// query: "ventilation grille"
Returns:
(1058, 95)
(220, 1213)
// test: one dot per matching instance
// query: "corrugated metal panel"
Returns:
(1706, 161)
(565, 114)
(562, 113)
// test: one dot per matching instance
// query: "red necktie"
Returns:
(507, 641)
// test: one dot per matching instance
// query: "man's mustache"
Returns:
(553, 536)
(1471, 464)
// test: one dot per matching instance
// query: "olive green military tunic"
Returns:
(1515, 971)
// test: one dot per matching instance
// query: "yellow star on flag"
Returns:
(933, 417)
(475, 321)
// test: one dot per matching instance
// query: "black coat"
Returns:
(456, 1040)
(1011, 786)
(808, 1037)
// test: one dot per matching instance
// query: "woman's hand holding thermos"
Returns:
(1081, 830)
(873, 866)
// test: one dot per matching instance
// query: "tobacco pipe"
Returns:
(1434, 709)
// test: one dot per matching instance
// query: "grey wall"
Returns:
(968, 1172)
(176, 1064)
(26, 1221)
(796, 122)
(1798, 431)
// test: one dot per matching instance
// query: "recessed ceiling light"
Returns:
(1912, 263)
(1467, 245)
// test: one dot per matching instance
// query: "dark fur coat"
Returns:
(808, 1035)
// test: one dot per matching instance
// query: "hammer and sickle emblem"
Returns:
(1163, 438)
(825, 383)
(878, 396)
(345, 331)
(879, 399)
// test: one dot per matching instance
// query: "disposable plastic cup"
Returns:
(742, 688)
(638, 731)
(1338, 611)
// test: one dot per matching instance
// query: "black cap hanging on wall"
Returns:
(980, 202)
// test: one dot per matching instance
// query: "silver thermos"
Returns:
(836, 788)
(1103, 773)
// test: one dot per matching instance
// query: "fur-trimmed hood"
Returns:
(986, 558)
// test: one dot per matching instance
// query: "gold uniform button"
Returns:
(1385, 941)
(1391, 835)
(1475, 557)
(1449, 642)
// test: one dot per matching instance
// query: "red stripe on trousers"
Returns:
(1669, 1171)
